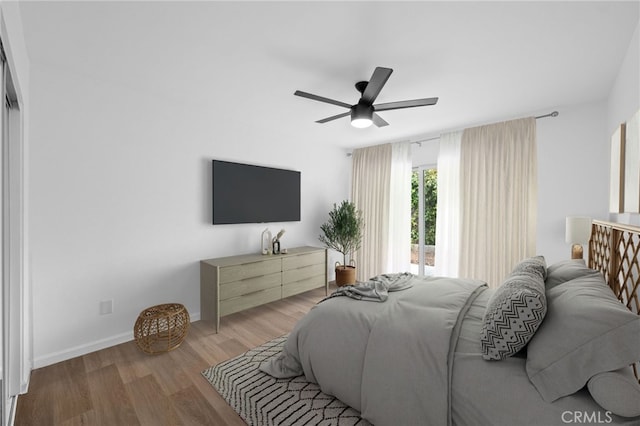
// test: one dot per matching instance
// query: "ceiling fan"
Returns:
(364, 112)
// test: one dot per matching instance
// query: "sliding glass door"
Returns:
(14, 366)
(424, 190)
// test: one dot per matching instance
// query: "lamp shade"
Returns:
(578, 230)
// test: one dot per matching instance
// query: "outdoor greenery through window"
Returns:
(424, 197)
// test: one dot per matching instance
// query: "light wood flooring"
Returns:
(122, 386)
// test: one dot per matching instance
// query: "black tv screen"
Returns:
(244, 193)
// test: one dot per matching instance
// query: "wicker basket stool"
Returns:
(161, 328)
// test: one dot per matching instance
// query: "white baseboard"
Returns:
(89, 347)
(66, 354)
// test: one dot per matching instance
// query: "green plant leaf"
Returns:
(343, 231)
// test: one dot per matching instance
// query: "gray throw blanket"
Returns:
(376, 289)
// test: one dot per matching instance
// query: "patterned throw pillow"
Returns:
(515, 311)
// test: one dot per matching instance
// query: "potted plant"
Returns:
(343, 233)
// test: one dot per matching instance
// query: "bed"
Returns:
(554, 344)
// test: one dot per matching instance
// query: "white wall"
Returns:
(120, 203)
(573, 173)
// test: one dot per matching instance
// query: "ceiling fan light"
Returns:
(361, 115)
(361, 123)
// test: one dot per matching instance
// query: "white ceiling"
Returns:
(486, 61)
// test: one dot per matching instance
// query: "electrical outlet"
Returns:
(106, 307)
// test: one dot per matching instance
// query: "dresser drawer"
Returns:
(248, 270)
(247, 301)
(303, 285)
(292, 275)
(233, 283)
(294, 262)
(249, 285)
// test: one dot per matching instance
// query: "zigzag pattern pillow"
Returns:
(515, 311)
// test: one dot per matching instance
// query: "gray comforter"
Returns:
(416, 359)
(369, 354)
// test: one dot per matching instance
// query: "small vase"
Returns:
(266, 241)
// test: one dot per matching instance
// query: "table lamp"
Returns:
(578, 232)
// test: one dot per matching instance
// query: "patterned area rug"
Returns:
(262, 400)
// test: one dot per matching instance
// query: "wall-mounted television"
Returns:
(245, 193)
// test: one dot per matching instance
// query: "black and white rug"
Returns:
(262, 400)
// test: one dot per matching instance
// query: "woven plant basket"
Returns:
(161, 328)
(345, 274)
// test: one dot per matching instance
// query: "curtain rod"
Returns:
(551, 114)
(419, 142)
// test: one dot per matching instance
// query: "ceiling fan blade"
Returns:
(321, 99)
(376, 83)
(378, 121)
(334, 117)
(406, 104)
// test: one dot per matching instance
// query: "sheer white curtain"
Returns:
(399, 248)
(381, 189)
(498, 186)
(448, 217)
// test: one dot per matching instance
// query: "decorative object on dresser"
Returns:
(235, 283)
(343, 233)
(265, 242)
(161, 328)
(577, 233)
(276, 242)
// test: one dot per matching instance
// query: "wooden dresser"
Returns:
(234, 283)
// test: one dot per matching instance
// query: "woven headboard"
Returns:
(614, 250)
